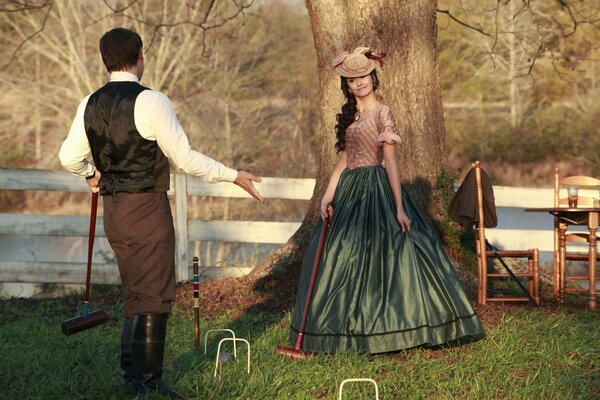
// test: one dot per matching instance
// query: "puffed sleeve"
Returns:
(388, 131)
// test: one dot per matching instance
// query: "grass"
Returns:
(549, 353)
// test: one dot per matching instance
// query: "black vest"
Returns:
(127, 161)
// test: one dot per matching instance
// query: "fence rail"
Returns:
(186, 230)
(516, 229)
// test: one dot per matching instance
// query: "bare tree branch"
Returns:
(120, 9)
(565, 5)
(545, 26)
(493, 49)
(452, 17)
(214, 16)
(20, 6)
(205, 23)
(48, 5)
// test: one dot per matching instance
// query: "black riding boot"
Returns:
(126, 357)
(148, 349)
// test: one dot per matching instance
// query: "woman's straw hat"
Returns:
(358, 63)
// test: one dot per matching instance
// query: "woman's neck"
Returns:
(367, 102)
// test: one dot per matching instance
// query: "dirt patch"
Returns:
(271, 295)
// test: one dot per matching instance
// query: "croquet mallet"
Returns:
(296, 352)
(87, 319)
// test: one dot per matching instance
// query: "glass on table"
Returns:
(573, 196)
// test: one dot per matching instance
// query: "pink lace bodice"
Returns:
(361, 137)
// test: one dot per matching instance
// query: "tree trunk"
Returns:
(409, 83)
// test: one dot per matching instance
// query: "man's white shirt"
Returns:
(156, 120)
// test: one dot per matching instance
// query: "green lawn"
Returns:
(549, 353)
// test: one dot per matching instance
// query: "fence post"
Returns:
(181, 228)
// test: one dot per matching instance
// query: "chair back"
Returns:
(563, 236)
(480, 214)
(480, 233)
(485, 192)
(577, 181)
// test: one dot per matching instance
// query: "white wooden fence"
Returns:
(186, 230)
(516, 229)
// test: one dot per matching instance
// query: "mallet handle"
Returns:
(91, 244)
(313, 276)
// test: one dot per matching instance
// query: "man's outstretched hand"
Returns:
(244, 180)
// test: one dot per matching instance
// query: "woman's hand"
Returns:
(403, 221)
(326, 210)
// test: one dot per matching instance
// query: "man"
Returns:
(131, 132)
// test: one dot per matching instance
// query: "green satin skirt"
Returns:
(379, 289)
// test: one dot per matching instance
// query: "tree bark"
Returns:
(409, 83)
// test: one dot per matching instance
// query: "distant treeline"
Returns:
(247, 92)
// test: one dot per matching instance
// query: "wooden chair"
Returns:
(485, 251)
(560, 274)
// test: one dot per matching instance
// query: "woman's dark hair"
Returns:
(346, 117)
(120, 49)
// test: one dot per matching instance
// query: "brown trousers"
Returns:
(139, 228)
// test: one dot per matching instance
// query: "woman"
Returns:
(385, 282)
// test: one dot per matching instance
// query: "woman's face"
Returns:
(361, 86)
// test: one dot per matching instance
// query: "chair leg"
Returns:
(556, 264)
(484, 282)
(531, 277)
(562, 267)
(556, 275)
(592, 270)
(479, 284)
(479, 272)
(536, 276)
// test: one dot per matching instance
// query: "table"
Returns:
(587, 216)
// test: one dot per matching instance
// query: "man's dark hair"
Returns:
(120, 49)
